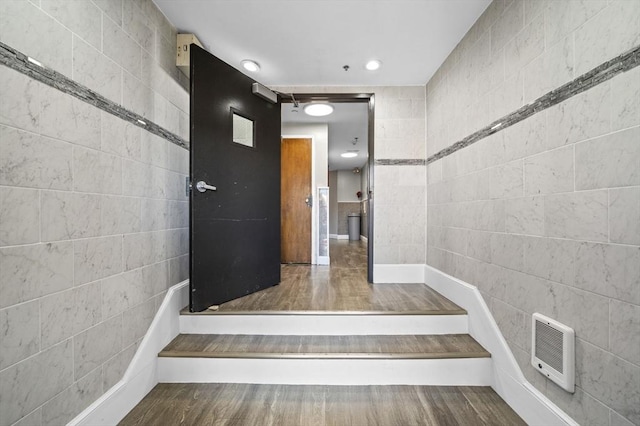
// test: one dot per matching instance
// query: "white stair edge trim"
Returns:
(339, 372)
(325, 325)
(508, 380)
(398, 274)
(141, 375)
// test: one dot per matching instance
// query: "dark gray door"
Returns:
(235, 228)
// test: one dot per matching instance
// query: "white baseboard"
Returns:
(326, 325)
(333, 236)
(141, 376)
(425, 372)
(363, 238)
(342, 237)
(508, 380)
(398, 274)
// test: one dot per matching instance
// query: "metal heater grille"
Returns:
(553, 351)
(549, 346)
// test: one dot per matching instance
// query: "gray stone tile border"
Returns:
(20, 62)
(624, 62)
(401, 162)
(586, 81)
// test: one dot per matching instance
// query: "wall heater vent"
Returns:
(553, 351)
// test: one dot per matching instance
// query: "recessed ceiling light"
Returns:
(251, 66)
(318, 110)
(349, 154)
(373, 65)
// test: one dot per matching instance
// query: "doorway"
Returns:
(295, 200)
(358, 171)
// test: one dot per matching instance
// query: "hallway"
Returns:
(341, 287)
(285, 398)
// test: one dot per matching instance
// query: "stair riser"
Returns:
(328, 325)
(435, 372)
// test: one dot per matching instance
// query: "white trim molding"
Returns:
(508, 380)
(398, 274)
(317, 324)
(425, 372)
(141, 376)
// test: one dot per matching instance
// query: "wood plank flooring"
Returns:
(288, 405)
(335, 347)
(342, 287)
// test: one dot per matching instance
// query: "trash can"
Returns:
(353, 221)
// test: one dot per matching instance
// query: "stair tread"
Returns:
(288, 405)
(343, 347)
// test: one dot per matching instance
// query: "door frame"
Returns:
(369, 98)
(314, 211)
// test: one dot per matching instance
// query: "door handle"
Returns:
(202, 186)
(309, 201)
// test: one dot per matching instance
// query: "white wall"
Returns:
(364, 181)
(348, 186)
(333, 202)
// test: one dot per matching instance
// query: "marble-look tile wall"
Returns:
(399, 190)
(93, 212)
(544, 216)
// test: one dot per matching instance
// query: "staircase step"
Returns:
(326, 322)
(325, 347)
(445, 360)
(248, 404)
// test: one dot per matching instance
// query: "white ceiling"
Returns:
(307, 42)
(347, 122)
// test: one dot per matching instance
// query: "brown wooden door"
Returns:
(295, 190)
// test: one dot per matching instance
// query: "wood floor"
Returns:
(342, 287)
(317, 292)
(335, 347)
(288, 405)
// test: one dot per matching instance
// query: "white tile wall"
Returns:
(555, 227)
(93, 215)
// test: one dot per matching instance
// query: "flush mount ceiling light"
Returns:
(349, 154)
(373, 65)
(250, 65)
(318, 110)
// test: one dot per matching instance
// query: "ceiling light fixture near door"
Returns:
(349, 154)
(373, 65)
(250, 65)
(318, 110)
